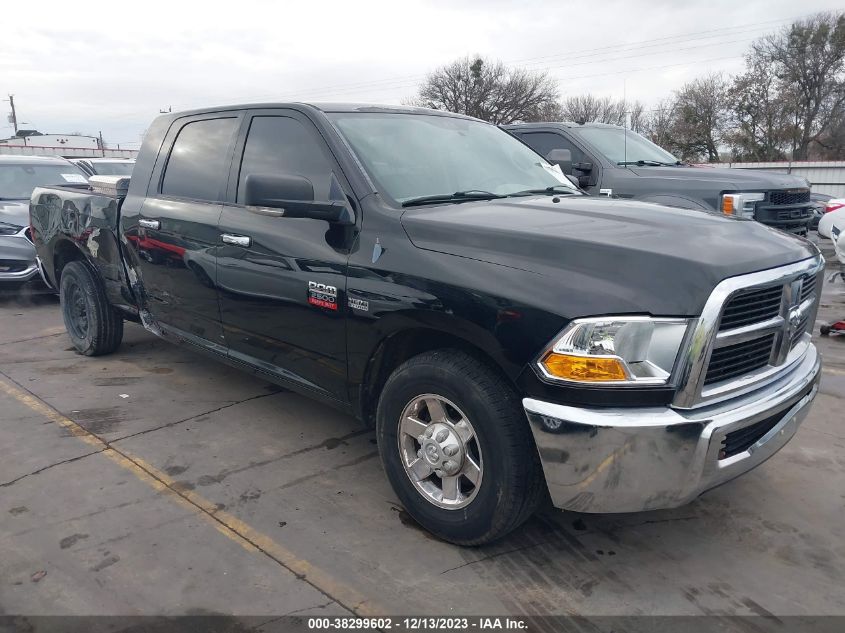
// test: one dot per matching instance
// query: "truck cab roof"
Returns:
(323, 107)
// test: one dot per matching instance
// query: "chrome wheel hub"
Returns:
(440, 451)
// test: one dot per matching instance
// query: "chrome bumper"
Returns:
(628, 460)
(17, 248)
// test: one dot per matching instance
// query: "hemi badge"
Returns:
(359, 304)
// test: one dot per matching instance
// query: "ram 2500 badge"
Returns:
(509, 338)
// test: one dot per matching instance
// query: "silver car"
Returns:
(19, 175)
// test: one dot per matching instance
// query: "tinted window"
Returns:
(282, 145)
(544, 142)
(199, 160)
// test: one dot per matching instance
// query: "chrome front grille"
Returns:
(808, 287)
(752, 306)
(738, 359)
(752, 328)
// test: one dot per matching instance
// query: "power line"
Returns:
(411, 80)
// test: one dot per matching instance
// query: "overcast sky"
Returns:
(112, 66)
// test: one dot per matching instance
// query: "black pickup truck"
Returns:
(509, 337)
(610, 160)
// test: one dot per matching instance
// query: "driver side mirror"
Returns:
(561, 158)
(291, 197)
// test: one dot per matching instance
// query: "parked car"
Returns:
(819, 201)
(834, 209)
(105, 166)
(610, 160)
(19, 175)
(837, 236)
(426, 272)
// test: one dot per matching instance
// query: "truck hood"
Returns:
(14, 212)
(633, 257)
(725, 179)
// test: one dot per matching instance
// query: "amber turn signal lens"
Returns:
(584, 368)
(728, 205)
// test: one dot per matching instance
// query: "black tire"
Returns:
(824, 330)
(94, 326)
(512, 484)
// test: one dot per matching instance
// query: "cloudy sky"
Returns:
(112, 66)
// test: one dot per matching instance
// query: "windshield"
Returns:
(412, 156)
(18, 181)
(612, 142)
(113, 169)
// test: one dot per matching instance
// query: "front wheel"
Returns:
(94, 326)
(457, 448)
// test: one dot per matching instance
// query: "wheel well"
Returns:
(396, 349)
(64, 254)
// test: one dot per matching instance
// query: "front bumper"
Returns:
(629, 460)
(17, 259)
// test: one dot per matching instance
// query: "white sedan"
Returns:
(834, 208)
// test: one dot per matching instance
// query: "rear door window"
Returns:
(199, 160)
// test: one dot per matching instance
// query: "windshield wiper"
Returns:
(458, 196)
(553, 190)
(647, 163)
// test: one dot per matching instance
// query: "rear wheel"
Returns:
(94, 326)
(457, 449)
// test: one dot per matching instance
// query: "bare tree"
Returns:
(659, 122)
(489, 90)
(831, 142)
(701, 117)
(761, 114)
(637, 116)
(808, 59)
(589, 108)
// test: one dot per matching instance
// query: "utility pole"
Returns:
(102, 145)
(13, 119)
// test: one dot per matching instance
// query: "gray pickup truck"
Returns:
(608, 160)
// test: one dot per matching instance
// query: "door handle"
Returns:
(237, 240)
(150, 224)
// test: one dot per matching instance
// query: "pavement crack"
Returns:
(320, 473)
(496, 555)
(303, 609)
(41, 470)
(650, 521)
(32, 338)
(223, 474)
(188, 419)
(836, 437)
(235, 529)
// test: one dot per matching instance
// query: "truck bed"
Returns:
(71, 220)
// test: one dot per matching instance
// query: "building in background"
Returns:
(35, 143)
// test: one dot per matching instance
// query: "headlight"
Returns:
(623, 350)
(742, 205)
